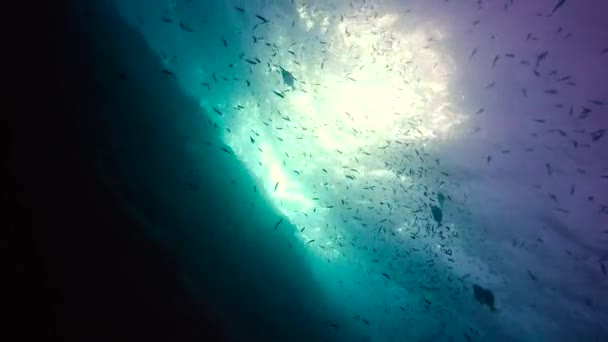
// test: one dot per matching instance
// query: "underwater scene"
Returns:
(365, 170)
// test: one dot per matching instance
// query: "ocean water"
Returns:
(350, 170)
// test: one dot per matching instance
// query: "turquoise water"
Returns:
(315, 172)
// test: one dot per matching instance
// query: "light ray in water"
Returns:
(368, 85)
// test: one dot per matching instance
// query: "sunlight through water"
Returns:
(369, 87)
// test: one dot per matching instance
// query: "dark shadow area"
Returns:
(85, 270)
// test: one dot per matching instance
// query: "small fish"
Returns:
(480, 111)
(484, 296)
(597, 135)
(239, 9)
(531, 275)
(437, 214)
(510, 55)
(288, 78)
(264, 20)
(386, 276)
(489, 159)
(311, 241)
(278, 94)
(540, 58)
(217, 111)
(276, 186)
(557, 6)
(185, 27)
(169, 74)
(495, 60)
(224, 149)
(472, 54)
(251, 61)
(277, 224)
(224, 42)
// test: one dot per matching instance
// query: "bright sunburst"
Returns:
(364, 86)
